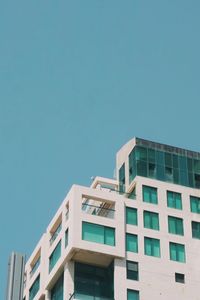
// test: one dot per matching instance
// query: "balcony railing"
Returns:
(55, 234)
(100, 210)
(35, 267)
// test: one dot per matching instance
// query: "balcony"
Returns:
(103, 209)
(55, 234)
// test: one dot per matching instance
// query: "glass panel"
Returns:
(168, 159)
(152, 247)
(150, 194)
(190, 164)
(173, 251)
(151, 155)
(183, 163)
(155, 221)
(196, 166)
(181, 252)
(132, 270)
(147, 243)
(175, 225)
(93, 232)
(175, 161)
(177, 252)
(34, 288)
(131, 242)
(156, 247)
(174, 200)
(195, 204)
(98, 233)
(196, 230)
(122, 179)
(132, 295)
(92, 282)
(152, 170)
(131, 216)
(109, 236)
(57, 290)
(141, 153)
(147, 220)
(54, 256)
(151, 220)
(142, 168)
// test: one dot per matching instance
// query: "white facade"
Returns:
(103, 205)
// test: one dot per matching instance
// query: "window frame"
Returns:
(132, 274)
(151, 215)
(174, 204)
(177, 247)
(152, 246)
(153, 191)
(178, 224)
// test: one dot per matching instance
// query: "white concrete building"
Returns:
(134, 238)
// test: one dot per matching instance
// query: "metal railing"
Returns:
(55, 234)
(98, 210)
(35, 267)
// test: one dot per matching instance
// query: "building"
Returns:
(126, 239)
(15, 277)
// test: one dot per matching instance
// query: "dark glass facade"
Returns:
(179, 167)
(93, 283)
(57, 290)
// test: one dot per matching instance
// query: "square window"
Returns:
(175, 225)
(177, 252)
(180, 277)
(131, 216)
(174, 200)
(132, 295)
(195, 204)
(152, 247)
(150, 194)
(151, 220)
(196, 230)
(132, 270)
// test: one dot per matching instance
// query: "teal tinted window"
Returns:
(109, 236)
(98, 234)
(177, 252)
(131, 216)
(34, 288)
(55, 255)
(175, 225)
(92, 282)
(152, 247)
(133, 295)
(131, 242)
(141, 153)
(151, 220)
(122, 179)
(132, 270)
(195, 204)
(174, 200)
(196, 230)
(164, 163)
(57, 290)
(150, 194)
(132, 165)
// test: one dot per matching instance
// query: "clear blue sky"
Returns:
(78, 79)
